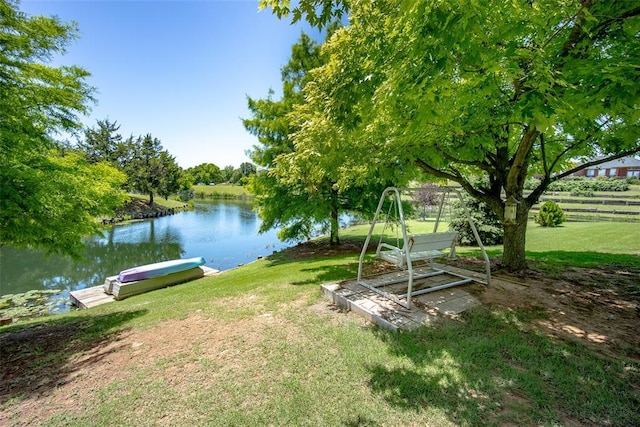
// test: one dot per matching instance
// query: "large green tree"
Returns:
(294, 194)
(471, 88)
(151, 169)
(104, 143)
(48, 198)
(204, 173)
(282, 205)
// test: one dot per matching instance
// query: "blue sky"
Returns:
(179, 70)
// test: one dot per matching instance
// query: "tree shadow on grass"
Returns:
(35, 358)
(572, 258)
(490, 369)
(328, 274)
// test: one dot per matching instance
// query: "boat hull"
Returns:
(159, 269)
(123, 290)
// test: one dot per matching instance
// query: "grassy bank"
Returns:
(160, 202)
(257, 346)
(220, 191)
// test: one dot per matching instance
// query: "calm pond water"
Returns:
(224, 233)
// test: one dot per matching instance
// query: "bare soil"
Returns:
(599, 307)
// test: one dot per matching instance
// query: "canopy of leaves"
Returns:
(152, 170)
(300, 192)
(104, 144)
(205, 173)
(469, 89)
(47, 199)
(53, 201)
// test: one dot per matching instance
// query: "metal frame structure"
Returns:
(406, 302)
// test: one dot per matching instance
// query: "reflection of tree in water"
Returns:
(248, 218)
(224, 231)
(31, 269)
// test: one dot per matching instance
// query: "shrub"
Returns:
(186, 195)
(578, 184)
(550, 214)
(583, 193)
(426, 201)
(487, 223)
(531, 183)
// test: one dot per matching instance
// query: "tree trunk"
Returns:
(335, 225)
(150, 198)
(513, 255)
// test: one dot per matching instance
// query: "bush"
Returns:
(186, 195)
(583, 193)
(489, 227)
(531, 183)
(579, 184)
(550, 214)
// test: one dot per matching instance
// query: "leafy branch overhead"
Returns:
(49, 197)
(474, 89)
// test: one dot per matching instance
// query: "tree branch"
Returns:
(576, 144)
(533, 197)
(519, 161)
(577, 32)
(479, 164)
(457, 177)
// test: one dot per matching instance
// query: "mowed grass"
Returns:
(220, 191)
(269, 352)
(160, 201)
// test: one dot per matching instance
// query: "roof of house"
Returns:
(624, 162)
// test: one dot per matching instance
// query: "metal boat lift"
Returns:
(418, 247)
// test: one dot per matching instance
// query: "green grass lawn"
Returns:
(265, 350)
(220, 191)
(157, 200)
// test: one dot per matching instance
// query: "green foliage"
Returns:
(550, 214)
(581, 186)
(105, 144)
(53, 202)
(204, 174)
(465, 89)
(485, 220)
(49, 198)
(317, 12)
(299, 192)
(153, 170)
(30, 304)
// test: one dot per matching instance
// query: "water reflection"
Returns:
(224, 233)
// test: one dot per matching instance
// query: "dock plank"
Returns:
(96, 295)
(90, 297)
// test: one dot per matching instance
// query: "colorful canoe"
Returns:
(125, 290)
(159, 269)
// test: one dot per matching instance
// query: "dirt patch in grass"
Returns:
(46, 370)
(599, 307)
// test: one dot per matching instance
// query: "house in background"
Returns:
(625, 167)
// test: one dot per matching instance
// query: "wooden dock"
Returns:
(94, 296)
(90, 297)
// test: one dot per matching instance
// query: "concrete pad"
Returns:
(442, 296)
(457, 305)
(386, 313)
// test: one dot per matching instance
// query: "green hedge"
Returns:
(583, 186)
